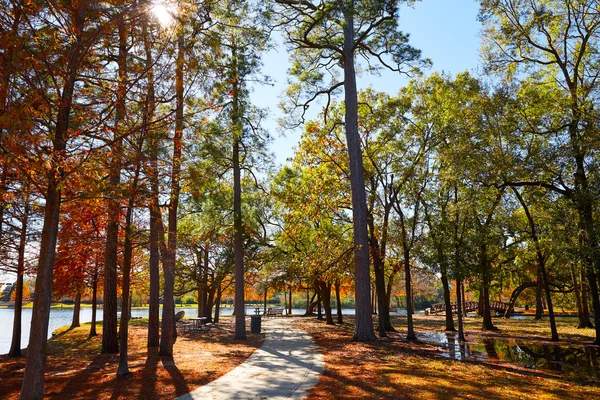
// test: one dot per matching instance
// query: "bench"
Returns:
(274, 312)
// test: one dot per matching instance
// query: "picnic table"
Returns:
(199, 324)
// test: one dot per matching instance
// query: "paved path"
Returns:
(287, 365)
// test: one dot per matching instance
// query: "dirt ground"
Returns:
(393, 368)
(77, 370)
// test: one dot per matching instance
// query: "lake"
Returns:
(62, 316)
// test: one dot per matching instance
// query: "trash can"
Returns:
(255, 324)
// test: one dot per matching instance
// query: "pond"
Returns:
(581, 363)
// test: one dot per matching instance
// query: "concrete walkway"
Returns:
(287, 365)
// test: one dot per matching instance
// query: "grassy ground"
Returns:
(77, 370)
(393, 368)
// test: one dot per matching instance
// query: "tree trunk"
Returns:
(515, 295)
(110, 341)
(325, 289)
(15, 346)
(319, 300)
(363, 331)
(94, 301)
(459, 309)
(463, 298)
(218, 302)
(446, 287)
(485, 290)
(290, 302)
(577, 298)
(168, 329)
(265, 301)
(153, 204)
(123, 369)
(338, 302)
(539, 295)
(206, 311)
(585, 300)
(75, 321)
(238, 250)
(385, 323)
(33, 379)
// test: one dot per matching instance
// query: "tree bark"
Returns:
(75, 321)
(33, 379)
(123, 369)
(539, 294)
(485, 289)
(515, 295)
(153, 205)
(168, 330)
(94, 301)
(238, 250)
(15, 346)
(446, 287)
(338, 302)
(459, 309)
(325, 289)
(363, 331)
(110, 340)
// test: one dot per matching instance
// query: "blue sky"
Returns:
(446, 31)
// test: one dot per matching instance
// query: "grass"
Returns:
(393, 368)
(76, 369)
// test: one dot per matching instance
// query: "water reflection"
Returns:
(578, 362)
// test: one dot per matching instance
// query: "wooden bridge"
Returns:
(469, 306)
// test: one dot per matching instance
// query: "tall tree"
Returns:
(556, 44)
(327, 35)
(75, 38)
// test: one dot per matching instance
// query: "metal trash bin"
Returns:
(255, 323)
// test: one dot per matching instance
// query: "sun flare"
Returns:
(164, 13)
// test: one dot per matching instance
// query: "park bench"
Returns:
(274, 312)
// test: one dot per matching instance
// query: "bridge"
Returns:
(469, 306)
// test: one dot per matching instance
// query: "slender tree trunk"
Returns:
(585, 300)
(110, 340)
(94, 301)
(485, 293)
(238, 250)
(75, 321)
(463, 298)
(32, 386)
(218, 302)
(290, 302)
(459, 309)
(123, 369)
(153, 205)
(319, 300)
(446, 287)
(15, 346)
(325, 290)
(363, 331)
(539, 295)
(204, 284)
(577, 290)
(168, 330)
(338, 302)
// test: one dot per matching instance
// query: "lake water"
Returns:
(61, 317)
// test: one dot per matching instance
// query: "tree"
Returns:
(77, 38)
(556, 43)
(327, 35)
